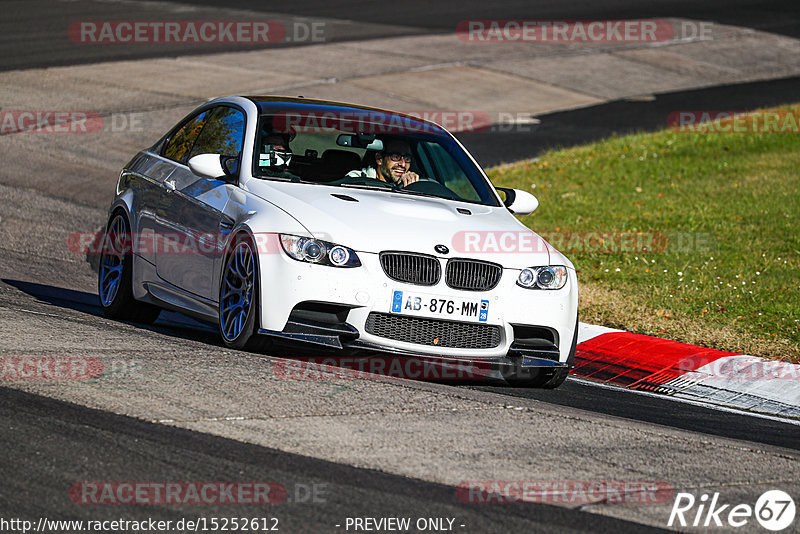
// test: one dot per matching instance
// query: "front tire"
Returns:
(238, 296)
(115, 276)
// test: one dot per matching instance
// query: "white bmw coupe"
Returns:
(341, 226)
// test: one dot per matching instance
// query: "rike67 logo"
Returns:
(774, 510)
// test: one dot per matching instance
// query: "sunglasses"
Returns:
(397, 156)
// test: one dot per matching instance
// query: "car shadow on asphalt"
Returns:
(169, 323)
(311, 362)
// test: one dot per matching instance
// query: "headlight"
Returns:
(313, 251)
(339, 255)
(550, 277)
(320, 252)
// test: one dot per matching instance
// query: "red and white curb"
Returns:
(684, 371)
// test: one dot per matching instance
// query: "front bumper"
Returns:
(513, 311)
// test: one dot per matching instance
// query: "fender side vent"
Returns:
(344, 197)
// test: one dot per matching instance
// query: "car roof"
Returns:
(270, 105)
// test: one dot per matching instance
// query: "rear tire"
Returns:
(543, 377)
(115, 276)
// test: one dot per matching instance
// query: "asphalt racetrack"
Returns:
(181, 407)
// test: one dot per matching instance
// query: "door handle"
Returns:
(170, 185)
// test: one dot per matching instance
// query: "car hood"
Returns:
(375, 221)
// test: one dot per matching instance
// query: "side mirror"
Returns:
(519, 202)
(214, 166)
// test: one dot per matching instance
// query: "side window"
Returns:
(181, 143)
(223, 133)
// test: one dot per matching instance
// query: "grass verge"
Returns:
(689, 236)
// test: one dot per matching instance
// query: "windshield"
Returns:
(421, 162)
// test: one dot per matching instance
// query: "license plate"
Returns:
(422, 304)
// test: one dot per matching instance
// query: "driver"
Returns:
(392, 165)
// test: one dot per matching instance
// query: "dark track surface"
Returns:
(662, 411)
(574, 394)
(772, 15)
(574, 127)
(31, 36)
(50, 445)
(33, 33)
